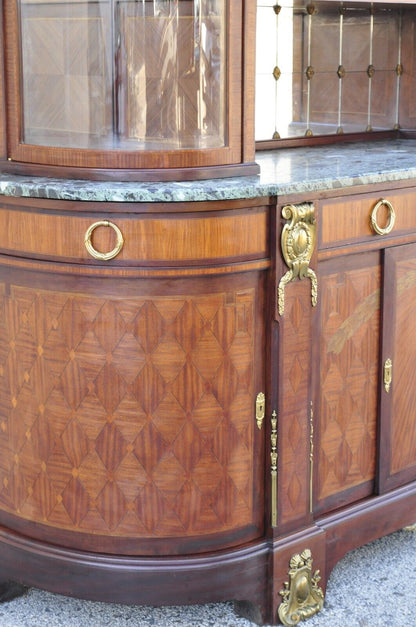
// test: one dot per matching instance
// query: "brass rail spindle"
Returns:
(370, 70)
(399, 71)
(276, 74)
(273, 470)
(309, 71)
(340, 71)
(311, 460)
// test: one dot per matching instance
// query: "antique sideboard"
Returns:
(206, 353)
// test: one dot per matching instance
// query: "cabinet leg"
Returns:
(10, 590)
(251, 611)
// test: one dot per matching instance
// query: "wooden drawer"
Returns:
(348, 219)
(166, 239)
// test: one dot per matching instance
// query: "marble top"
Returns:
(283, 172)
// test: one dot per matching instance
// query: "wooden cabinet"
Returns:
(128, 396)
(129, 90)
(397, 463)
(341, 381)
(204, 418)
(366, 432)
(128, 390)
(207, 400)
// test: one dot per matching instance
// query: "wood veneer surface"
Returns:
(162, 240)
(131, 416)
(349, 318)
(398, 405)
(347, 220)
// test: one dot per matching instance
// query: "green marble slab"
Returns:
(282, 172)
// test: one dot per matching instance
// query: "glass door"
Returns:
(123, 75)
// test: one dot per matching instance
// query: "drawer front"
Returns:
(167, 240)
(349, 219)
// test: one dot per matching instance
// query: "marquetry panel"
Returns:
(399, 344)
(352, 105)
(294, 378)
(168, 97)
(407, 102)
(348, 378)
(65, 92)
(128, 417)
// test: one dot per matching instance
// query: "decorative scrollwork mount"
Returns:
(302, 597)
(298, 243)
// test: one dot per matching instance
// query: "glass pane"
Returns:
(143, 75)
(172, 74)
(67, 73)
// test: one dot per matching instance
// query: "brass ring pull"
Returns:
(95, 253)
(392, 217)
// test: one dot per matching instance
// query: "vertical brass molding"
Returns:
(260, 408)
(311, 461)
(310, 9)
(370, 72)
(273, 470)
(276, 74)
(298, 243)
(341, 70)
(302, 597)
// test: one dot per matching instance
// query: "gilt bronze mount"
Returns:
(302, 597)
(298, 243)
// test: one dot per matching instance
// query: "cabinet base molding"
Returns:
(253, 575)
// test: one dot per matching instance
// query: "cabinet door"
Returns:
(346, 381)
(397, 463)
(127, 411)
(128, 85)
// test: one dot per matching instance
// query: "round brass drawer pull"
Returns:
(392, 217)
(95, 253)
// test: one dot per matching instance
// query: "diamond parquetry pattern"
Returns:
(127, 417)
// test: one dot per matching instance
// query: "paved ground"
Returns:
(374, 586)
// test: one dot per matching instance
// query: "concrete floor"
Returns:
(373, 586)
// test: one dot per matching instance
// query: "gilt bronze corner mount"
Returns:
(302, 597)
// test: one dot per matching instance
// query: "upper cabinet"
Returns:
(183, 89)
(130, 89)
(333, 69)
